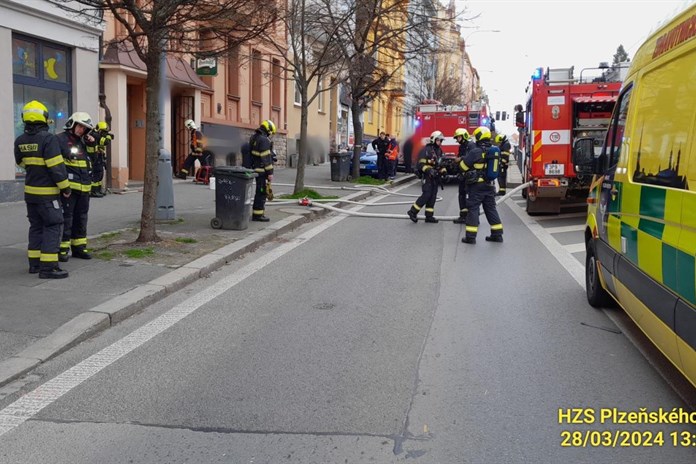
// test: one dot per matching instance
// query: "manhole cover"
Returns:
(324, 306)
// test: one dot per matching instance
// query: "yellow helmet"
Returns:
(268, 126)
(461, 132)
(103, 126)
(482, 133)
(35, 111)
(500, 138)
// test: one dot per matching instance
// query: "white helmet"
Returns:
(190, 124)
(437, 135)
(81, 118)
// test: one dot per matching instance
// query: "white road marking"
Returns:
(561, 216)
(33, 402)
(574, 247)
(561, 229)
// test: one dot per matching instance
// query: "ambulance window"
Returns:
(616, 131)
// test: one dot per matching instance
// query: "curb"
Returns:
(113, 311)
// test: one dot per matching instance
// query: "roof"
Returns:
(596, 99)
(177, 70)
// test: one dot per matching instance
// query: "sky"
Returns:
(551, 34)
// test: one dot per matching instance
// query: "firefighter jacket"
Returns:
(38, 152)
(77, 161)
(261, 153)
(505, 148)
(475, 161)
(429, 160)
(196, 142)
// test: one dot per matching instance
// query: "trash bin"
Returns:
(234, 193)
(340, 166)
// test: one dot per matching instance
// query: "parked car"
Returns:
(368, 162)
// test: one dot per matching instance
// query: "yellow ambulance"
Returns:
(641, 225)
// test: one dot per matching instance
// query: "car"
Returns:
(368, 162)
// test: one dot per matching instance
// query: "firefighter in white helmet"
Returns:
(429, 171)
(197, 150)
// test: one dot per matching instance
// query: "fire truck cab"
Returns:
(560, 109)
(431, 117)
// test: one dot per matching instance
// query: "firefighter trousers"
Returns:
(98, 164)
(75, 210)
(260, 196)
(427, 198)
(502, 179)
(45, 224)
(482, 194)
(203, 158)
(462, 198)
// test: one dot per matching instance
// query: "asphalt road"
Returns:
(356, 340)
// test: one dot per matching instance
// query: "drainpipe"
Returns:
(107, 111)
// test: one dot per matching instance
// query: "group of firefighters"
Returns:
(482, 160)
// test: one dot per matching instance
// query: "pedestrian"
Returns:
(73, 144)
(380, 145)
(38, 152)
(262, 163)
(480, 189)
(392, 158)
(197, 151)
(429, 170)
(97, 154)
(504, 145)
(463, 138)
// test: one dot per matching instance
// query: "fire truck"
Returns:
(431, 117)
(561, 108)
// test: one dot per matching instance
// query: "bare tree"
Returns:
(449, 87)
(313, 56)
(156, 27)
(378, 40)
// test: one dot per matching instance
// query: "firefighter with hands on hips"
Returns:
(262, 157)
(196, 151)
(38, 152)
(463, 138)
(74, 141)
(429, 170)
(97, 154)
(504, 144)
(480, 189)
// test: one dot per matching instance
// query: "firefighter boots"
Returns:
(34, 269)
(494, 238)
(469, 240)
(460, 220)
(80, 253)
(260, 218)
(431, 220)
(413, 214)
(53, 273)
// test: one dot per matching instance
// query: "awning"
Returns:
(595, 99)
(178, 70)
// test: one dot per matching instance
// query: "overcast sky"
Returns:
(551, 33)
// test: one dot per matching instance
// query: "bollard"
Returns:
(165, 187)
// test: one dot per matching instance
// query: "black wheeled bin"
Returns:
(340, 166)
(234, 193)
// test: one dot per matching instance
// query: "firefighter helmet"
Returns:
(269, 127)
(102, 126)
(35, 111)
(190, 124)
(500, 138)
(461, 132)
(81, 118)
(482, 133)
(437, 135)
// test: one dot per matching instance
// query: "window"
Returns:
(320, 95)
(298, 92)
(256, 76)
(370, 114)
(276, 89)
(616, 131)
(233, 72)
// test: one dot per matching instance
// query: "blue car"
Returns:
(368, 162)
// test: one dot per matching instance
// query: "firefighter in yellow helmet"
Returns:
(262, 158)
(197, 152)
(463, 138)
(428, 170)
(74, 141)
(480, 165)
(504, 144)
(38, 152)
(97, 153)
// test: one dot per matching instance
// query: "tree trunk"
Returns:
(148, 231)
(357, 111)
(302, 155)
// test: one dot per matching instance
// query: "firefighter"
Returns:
(381, 145)
(463, 138)
(74, 141)
(262, 163)
(429, 170)
(38, 152)
(504, 144)
(97, 155)
(196, 150)
(480, 190)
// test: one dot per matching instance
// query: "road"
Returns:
(357, 340)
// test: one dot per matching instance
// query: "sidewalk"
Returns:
(42, 318)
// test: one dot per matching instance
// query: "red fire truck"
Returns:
(431, 117)
(561, 108)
